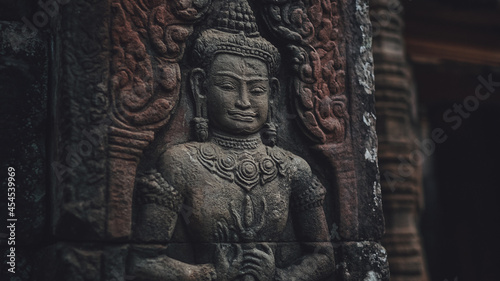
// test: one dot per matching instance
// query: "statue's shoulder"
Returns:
(180, 152)
(295, 165)
(178, 159)
(307, 190)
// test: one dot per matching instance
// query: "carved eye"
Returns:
(227, 86)
(257, 91)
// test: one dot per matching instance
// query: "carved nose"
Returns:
(243, 102)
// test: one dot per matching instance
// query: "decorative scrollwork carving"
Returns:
(318, 81)
(148, 38)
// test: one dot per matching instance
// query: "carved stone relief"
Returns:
(245, 196)
(191, 176)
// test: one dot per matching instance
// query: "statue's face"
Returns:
(238, 91)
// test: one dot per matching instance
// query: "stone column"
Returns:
(400, 159)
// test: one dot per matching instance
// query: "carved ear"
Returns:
(275, 88)
(196, 80)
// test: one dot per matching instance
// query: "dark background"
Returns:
(450, 44)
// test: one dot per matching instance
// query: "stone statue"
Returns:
(255, 209)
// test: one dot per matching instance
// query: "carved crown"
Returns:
(235, 31)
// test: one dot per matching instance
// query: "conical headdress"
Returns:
(235, 31)
(236, 17)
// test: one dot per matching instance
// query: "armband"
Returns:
(310, 197)
(152, 188)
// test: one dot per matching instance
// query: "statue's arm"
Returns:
(317, 261)
(160, 201)
(164, 268)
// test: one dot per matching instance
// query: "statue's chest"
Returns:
(237, 197)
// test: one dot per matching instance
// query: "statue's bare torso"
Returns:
(235, 195)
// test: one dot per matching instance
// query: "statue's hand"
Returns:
(258, 264)
(228, 258)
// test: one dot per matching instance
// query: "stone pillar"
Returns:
(400, 157)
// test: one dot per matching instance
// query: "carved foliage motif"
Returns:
(148, 41)
(311, 30)
(247, 222)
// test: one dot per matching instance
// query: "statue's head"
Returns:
(234, 79)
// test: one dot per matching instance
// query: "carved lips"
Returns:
(244, 116)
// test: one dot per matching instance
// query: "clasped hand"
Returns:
(247, 262)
